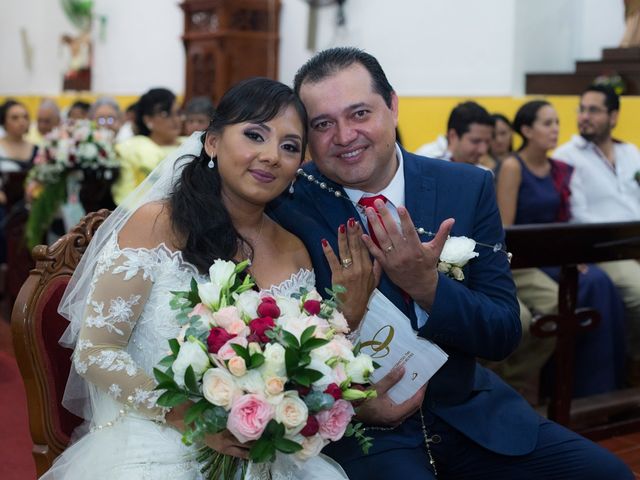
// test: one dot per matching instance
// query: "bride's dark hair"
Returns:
(197, 211)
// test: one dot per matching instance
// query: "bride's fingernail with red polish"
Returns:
(341, 228)
(352, 222)
(324, 243)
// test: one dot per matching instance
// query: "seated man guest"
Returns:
(606, 188)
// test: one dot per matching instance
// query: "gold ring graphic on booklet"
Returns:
(380, 348)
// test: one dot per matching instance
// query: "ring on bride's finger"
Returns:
(347, 262)
(389, 248)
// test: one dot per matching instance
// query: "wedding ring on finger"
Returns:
(347, 262)
(388, 249)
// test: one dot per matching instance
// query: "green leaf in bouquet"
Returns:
(304, 359)
(163, 376)
(358, 432)
(306, 376)
(171, 399)
(174, 345)
(215, 419)
(263, 450)
(313, 343)
(172, 386)
(179, 300)
(291, 358)
(273, 334)
(290, 340)
(167, 361)
(190, 380)
(287, 446)
(317, 401)
(274, 429)
(307, 334)
(242, 352)
(196, 410)
(257, 359)
(193, 296)
(183, 317)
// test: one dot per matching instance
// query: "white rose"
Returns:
(251, 382)
(237, 366)
(222, 273)
(191, 353)
(360, 368)
(325, 370)
(313, 295)
(294, 325)
(289, 307)
(292, 413)
(339, 347)
(274, 385)
(338, 322)
(311, 447)
(209, 294)
(219, 387)
(273, 365)
(458, 251)
(87, 151)
(247, 303)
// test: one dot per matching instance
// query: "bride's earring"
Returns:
(211, 163)
(291, 189)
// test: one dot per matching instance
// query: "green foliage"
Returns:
(272, 439)
(358, 431)
(43, 210)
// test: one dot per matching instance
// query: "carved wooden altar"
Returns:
(227, 41)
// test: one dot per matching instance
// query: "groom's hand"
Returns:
(411, 264)
(381, 410)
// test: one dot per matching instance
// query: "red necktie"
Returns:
(368, 202)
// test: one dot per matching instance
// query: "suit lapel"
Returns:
(419, 193)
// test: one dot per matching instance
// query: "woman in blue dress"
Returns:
(533, 188)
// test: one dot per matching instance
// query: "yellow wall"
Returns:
(422, 119)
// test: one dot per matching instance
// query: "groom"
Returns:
(469, 423)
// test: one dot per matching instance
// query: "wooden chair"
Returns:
(567, 245)
(36, 328)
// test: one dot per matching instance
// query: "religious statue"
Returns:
(631, 37)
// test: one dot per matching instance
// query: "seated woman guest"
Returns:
(106, 113)
(197, 115)
(158, 124)
(501, 145)
(533, 188)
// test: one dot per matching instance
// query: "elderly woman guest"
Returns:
(106, 113)
(158, 124)
(197, 115)
(533, 188)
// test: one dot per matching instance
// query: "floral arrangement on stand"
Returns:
(277, 372)
(68, 153)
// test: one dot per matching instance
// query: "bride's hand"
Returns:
(225, 443)
(354, 270)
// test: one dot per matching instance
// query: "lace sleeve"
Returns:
(120, 287)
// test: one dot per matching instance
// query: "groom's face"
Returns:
(351, 129)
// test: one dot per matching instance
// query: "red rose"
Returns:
(259, 326)
(311, 428)
(303, 391)
(217, 338)
(334, 390)
(268, 308)
(312, 306)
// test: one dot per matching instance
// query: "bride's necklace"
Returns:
(496, 247)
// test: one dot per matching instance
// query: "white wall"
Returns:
(427, 47)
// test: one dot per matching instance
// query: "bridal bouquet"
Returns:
(69, 154)
(277, 372)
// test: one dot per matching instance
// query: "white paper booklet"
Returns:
(386, 334)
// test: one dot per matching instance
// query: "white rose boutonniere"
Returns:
(456, 253)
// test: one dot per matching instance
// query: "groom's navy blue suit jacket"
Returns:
(477, 317)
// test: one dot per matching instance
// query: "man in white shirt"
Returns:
(469, 133)
(605, 187)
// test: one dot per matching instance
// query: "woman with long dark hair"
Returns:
(205, 202)
(534, 188)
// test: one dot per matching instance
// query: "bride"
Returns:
(203, 203)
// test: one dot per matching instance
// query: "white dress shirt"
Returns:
(601, 192)
(394, 192)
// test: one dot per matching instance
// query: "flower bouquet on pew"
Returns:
(277, 372)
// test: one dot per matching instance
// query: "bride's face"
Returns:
(257, 162)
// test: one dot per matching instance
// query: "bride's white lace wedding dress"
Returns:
(127, 323)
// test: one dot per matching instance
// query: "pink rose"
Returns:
(334, 422)
(217, 338)
(312, 306)
(226, 351)
(229, 319)
(268, 308)
(259, 327)
(205, 314)
(249, 416)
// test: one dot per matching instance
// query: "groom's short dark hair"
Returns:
(333, 60)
